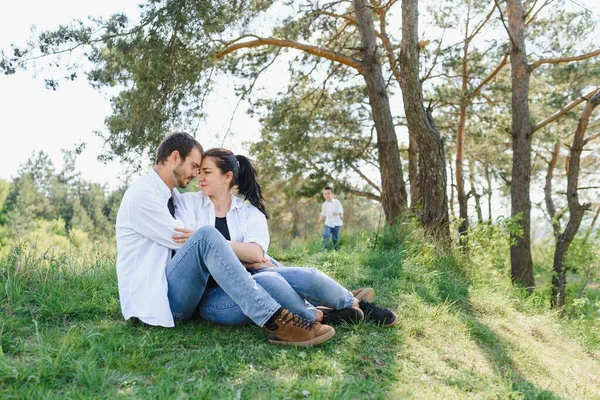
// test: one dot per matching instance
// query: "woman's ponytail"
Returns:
(248, 186)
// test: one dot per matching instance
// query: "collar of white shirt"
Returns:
(236, 202)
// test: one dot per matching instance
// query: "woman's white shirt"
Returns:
(246, 224)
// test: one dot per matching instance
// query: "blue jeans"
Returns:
(334, 233)
(295, 288)
(207, 253)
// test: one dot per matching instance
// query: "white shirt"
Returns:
(246, 224)
(144, 228)
(327, 210)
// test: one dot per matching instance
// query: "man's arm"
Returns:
(150, 218)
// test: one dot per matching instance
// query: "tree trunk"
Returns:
(413, 170)
(576, 210)
(460, 151)
(476, 196)
(452, 212)
(433, 209)
(460, 140)
(488, 179)
(393, 190)
(548, 190)
(520, 253)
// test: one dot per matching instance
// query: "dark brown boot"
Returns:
(294, 330)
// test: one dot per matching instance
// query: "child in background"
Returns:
(331, 212)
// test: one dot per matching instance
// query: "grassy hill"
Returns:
(465, 333)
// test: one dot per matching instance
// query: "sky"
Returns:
(33, 118)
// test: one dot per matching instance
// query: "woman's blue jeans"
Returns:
(207, 253)
(298, 289)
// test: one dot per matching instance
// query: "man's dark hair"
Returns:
(328, 188)
(180, 141)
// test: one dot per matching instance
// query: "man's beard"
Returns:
(181, 178)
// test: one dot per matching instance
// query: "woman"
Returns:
(298, 289)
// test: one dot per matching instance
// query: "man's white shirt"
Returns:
(144, 230)
(327, 210)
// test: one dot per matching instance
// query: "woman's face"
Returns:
(211, 179)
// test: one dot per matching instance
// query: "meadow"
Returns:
(465, 332)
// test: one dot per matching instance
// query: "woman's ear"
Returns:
(229, 177)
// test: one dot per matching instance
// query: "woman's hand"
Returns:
(265, 263)
(183, 235)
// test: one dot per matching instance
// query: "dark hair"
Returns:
(244, 176)
(328, 188)
(180, 141)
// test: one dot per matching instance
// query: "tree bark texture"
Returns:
(393, 189)
(433, 209)
(576, 210)
(520, 253)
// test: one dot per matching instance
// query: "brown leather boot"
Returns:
(366, 293)
(296, 331)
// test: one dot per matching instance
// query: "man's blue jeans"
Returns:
(207, 253)
(334, 233)
(292, 287)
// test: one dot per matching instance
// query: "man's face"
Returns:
(187, 170)
(327, 195)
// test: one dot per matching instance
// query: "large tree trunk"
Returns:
(432, 163)
(576, 210)
(393, 190)
(520, 254)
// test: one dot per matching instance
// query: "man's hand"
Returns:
(265, 263)
(183, 235)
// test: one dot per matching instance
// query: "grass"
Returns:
(465, 333)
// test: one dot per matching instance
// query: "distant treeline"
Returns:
(47, 208)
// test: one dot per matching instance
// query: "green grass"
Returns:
(464, 333)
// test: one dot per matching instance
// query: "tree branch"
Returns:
(491, 76)
(564, 110)
(558, 60)
(314, 50)
(366, 178)
(592, 137)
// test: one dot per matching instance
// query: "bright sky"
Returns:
(33, 118)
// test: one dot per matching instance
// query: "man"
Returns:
(161, 281)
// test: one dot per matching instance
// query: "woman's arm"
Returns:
(248, 253)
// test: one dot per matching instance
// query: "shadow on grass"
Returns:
(441, 282)
(452, 287)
